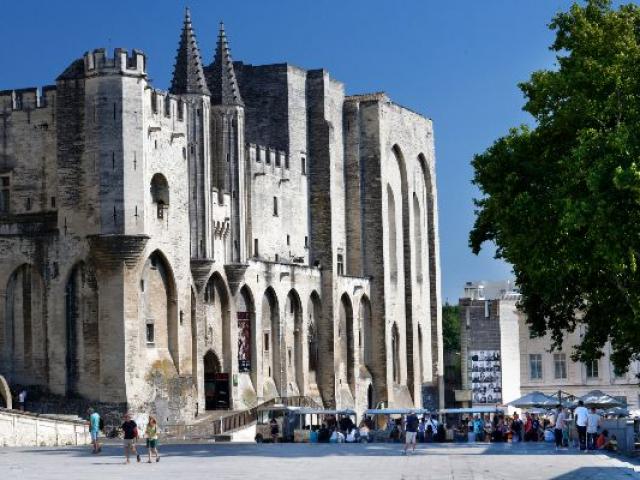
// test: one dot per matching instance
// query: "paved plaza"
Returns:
(308, 462)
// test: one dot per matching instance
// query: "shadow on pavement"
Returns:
(111, 452)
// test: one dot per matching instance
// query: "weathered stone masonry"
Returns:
(251, 233)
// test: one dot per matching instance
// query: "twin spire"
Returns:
(188, 73)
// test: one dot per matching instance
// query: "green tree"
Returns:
(561, 200)
(451, 327)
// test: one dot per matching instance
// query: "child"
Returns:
(151, 432)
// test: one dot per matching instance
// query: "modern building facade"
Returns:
(252, 233)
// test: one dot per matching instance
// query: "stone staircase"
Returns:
(221, 425)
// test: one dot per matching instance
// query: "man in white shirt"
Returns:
(593, 423)
(581, 415)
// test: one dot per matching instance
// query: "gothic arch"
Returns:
(346, 341)
(159, 305)
(294, 335)
(247, 351)
(417, 236)
(395, 354)
(23, 337)
(271, 342)
(392, 238)
(217, 322)
(434, 306)
(82, 333)
(314, 311)
(406, 255)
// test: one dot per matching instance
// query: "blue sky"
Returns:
(456, 62)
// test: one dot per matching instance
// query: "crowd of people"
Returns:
(533, 427)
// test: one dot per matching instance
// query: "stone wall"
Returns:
(144, 226)
(30, 430)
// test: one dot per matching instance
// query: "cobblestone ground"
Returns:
(309, 462)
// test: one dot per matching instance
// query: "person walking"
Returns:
(593, 423)
(94, 430)
(151, 433)
(22, 398)
(558, 428)
(130, 429)
(411, 428)
(581, 415)
(422, 428)
(516, 429)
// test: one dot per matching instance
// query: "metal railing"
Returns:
(238, 420)
(231, 422)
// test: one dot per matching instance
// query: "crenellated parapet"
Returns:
(267, 157)
(98, 62)
(27, 98)
(167, 105)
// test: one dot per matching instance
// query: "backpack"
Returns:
(101, 424)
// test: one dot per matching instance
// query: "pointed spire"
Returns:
(224, 86)
(188, 76)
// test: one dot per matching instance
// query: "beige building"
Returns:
(252, 233)
(549, 372)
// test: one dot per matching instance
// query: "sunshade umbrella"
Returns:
(599, 399)
(531, 400)
(617, 412)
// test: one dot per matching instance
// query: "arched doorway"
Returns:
(347, 357)
(216, 388)
(370, 397)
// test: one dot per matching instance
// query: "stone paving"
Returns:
(309, 462)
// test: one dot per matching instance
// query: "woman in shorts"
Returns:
(151, 432)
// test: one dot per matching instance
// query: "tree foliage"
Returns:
(451, 327)
(561, 200)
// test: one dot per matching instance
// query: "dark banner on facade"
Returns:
(244, 342)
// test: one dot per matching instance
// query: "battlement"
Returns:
(122, 62)
(167, 104)
(267, 156)
(28, 98)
